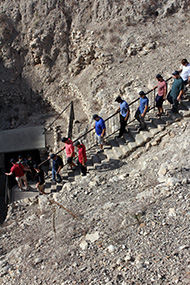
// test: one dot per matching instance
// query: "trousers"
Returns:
(140, 119)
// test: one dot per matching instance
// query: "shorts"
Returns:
(159, 101)
(99, 139)
(19, 179)
(69, 159)
(41, 188)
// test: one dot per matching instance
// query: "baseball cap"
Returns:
(118, 99)
(176, 72)
(141, 93)
(95, 116)
(76, 143)
(64, 139)
(52, 155)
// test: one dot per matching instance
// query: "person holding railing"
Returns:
(70, 151)
(161, 93)
(57, 165)
(142, 109)
(124, 115)
(100, 129)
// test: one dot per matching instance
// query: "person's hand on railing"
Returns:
(63, 147)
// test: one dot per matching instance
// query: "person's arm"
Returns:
(127, 116)
(188, 81)
(144, 112)
(155, 87)
(72, 154)
(10, 173)
(27, 169)
(117, 111)
(180, 94)
(165, 91)
(181, 91)
(103, 132)
(58, 170)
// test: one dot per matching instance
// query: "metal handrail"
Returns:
(57, 117)
(111, 116)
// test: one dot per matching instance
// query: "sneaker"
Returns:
(99, 151)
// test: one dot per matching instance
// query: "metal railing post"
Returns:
(71, 120)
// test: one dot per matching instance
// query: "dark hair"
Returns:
(12, 160)
(95, 116)
(184, 61)
(141, 93)
(64, 139)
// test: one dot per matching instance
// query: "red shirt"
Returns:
(17, 169)
(82, 153)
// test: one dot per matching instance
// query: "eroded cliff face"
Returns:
(83, 50)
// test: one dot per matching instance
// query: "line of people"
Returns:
(26, 169)
(174, 96)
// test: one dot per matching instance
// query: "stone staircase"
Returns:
(119, 148)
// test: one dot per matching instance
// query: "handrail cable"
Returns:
(134, 101)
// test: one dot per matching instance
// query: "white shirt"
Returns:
(185, 74)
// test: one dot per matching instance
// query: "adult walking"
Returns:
(161, 93)
(142, 109)
(18, 171)
(56, 167)
(81, 157)
(40, 181)
(185, 71)
(100, 129)
(124, 114)
(70, 151)
(176, 91)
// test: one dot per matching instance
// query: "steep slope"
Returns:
(85, 50)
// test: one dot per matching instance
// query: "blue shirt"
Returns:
(123, 108)
(99, 126)
(143, 103)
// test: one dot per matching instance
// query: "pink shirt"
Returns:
(162, 87)
(69, 148)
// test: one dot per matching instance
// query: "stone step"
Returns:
(158, 123)
(152, 128)
(166, 119)
(146, 135)
(139, 140)
(95, 159)
(110, 154)
(118, 152)
(127, 137)
(123, 146)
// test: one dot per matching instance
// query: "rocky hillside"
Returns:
(132, 224)
(54, 51)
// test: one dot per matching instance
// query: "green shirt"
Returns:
(177, 86)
